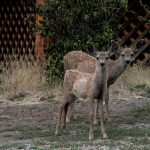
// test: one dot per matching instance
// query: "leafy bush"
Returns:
(72, 24)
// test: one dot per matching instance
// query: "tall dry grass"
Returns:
(27, 77)
(134, 81)
(22, 77)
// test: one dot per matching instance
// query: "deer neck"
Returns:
(100, 80)
(100, 74)
(121, 64)
(117, 70)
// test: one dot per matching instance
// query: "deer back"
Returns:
(74, 58)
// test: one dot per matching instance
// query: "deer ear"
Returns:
(138, 45)
(120, 49)
(114, 47)
(95, 51)
(93, 48)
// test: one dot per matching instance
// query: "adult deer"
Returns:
(86, 63)
(87, 86)
(82, 61)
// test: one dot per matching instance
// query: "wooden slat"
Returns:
(16, 33)
(39, 41)
(141, 50)
(128, 35)
(146, 59)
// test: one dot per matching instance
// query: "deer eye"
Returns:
(132, 54)
(122, 55)
(97, 58)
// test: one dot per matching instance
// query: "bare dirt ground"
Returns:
(38, 112)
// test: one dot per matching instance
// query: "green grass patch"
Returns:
(140, 141)
(132, 147)
(76, 133)
(140, 86)
(120, 133)
(22, 128)
(136, 115)
(14, 145)
(146, 92)
(64, 145)
(141, 112)
(119, 120)
(30, 133)
(78, 130)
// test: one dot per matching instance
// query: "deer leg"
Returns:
(96, 113)
(91, 107)
(71, 106)
(104, 134)
(64, 116)
(97, 108)
(61, 109)
(70, 112)
(107, 107)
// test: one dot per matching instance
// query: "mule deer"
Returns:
(82, 61)
(87, 86)
(115, 69)
(75, 59)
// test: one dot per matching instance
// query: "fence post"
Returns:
(39, 40)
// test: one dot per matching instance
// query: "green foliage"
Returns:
(72, 24)
(146, 92)
(140, 86)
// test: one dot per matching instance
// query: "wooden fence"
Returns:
(17, 42)
(134, 26)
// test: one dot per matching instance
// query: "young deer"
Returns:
(75, 59)
(82, 61)
(115, 69)
(87, 86)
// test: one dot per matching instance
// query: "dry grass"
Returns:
(138, 76)
(133, 81)
(22, 77)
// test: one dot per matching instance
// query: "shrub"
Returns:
(72, 24)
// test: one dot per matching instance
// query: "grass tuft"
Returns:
(22, 77)
(134, 81)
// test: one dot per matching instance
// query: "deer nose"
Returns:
(127, 61)
(102, 63)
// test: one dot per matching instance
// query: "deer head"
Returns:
(102, 58)
(127, 54)
(112, 50)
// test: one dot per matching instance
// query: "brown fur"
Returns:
(87, 86)
(86, 63)
(74, 59)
